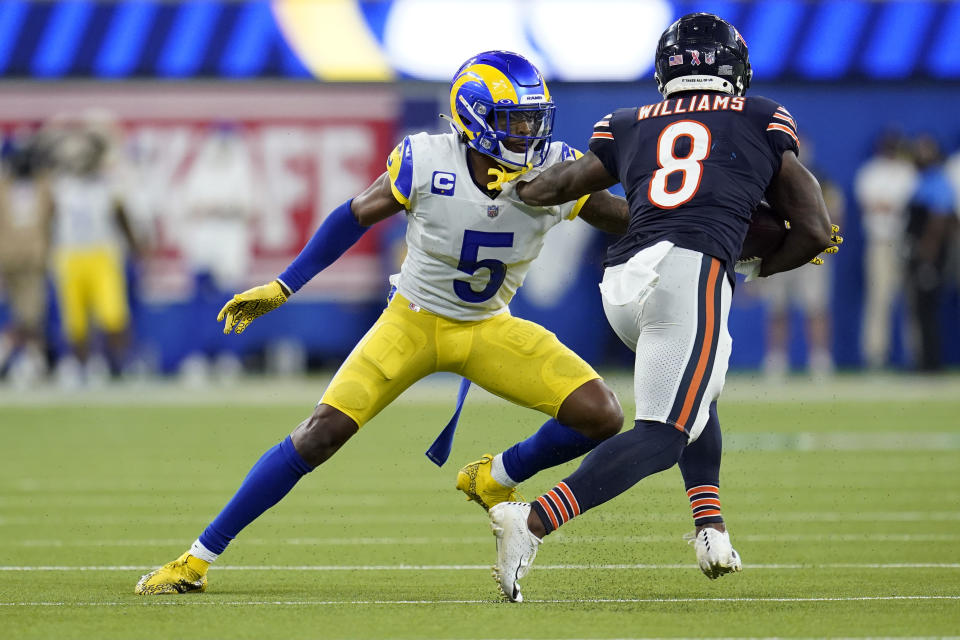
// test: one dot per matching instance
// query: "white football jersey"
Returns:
(467, 253)
(84, 212)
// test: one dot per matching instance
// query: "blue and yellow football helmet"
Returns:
(502, 107)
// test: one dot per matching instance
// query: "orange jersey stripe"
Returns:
(710, 320)
(704, 488)
(786, 119)
(573, 501)
(773, 126)
(705, 501)
(602, 134)
(549, 510)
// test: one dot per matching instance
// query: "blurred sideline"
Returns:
(441, 390)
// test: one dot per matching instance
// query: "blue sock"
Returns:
(551, 445)
(269, 480)
(613, 467)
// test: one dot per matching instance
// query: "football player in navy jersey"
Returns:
(694, 167)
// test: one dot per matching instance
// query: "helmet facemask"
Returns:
(515, 135)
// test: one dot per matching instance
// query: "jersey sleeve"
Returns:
(782, 132)
(604, 146)
(400, 170)
(570, 210)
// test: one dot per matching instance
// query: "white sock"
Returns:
(197, 550)
(500, 474)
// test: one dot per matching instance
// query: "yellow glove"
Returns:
(835, 239)
(246, 307)
(501, 176)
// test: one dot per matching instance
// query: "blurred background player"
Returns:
(216, 241)
(469, 245)
(883, 186)
(25, 213)
(91, 238)
(806, 290)
(694, 167)
(931, 224)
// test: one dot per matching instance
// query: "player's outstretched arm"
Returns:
(796, 195)
(566, 181)
(606, 212)
(340, 231)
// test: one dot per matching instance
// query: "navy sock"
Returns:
(271, 478)
(700, 466)
(611, 468)
(551, 445)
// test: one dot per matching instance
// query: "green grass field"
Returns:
(842, 499)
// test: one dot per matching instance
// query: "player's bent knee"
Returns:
(610, 417)
(593, 410)
(318, 437)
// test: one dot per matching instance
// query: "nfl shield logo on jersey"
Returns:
(493, 211)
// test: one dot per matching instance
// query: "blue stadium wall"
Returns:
(842, 120)
(845, 69)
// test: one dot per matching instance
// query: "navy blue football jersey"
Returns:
(693, 168)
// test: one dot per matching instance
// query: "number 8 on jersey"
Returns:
(690, 165)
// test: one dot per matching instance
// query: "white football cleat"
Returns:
(516, 546)
(715, 555)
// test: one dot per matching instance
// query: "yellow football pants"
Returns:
(509, 357)
(91, 282)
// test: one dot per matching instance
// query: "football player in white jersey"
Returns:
(470, 243)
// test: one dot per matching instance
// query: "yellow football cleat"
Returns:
(475, 480)
(185, 574)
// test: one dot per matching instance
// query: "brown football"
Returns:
(766, 233)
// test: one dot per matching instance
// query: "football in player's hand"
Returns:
(766, 233)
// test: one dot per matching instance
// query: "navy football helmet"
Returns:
(500, 103)
(702, 52)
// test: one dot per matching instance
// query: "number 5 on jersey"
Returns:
(689, 165)
(472, 241)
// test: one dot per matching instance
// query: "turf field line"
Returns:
(764, 516)
(352, 541)
(842, 441)
(337, 520)
(745, 516)
(300, 603)
(484, 567)
(806, 516)
(569, 539)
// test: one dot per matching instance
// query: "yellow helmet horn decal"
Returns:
(500, 88)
